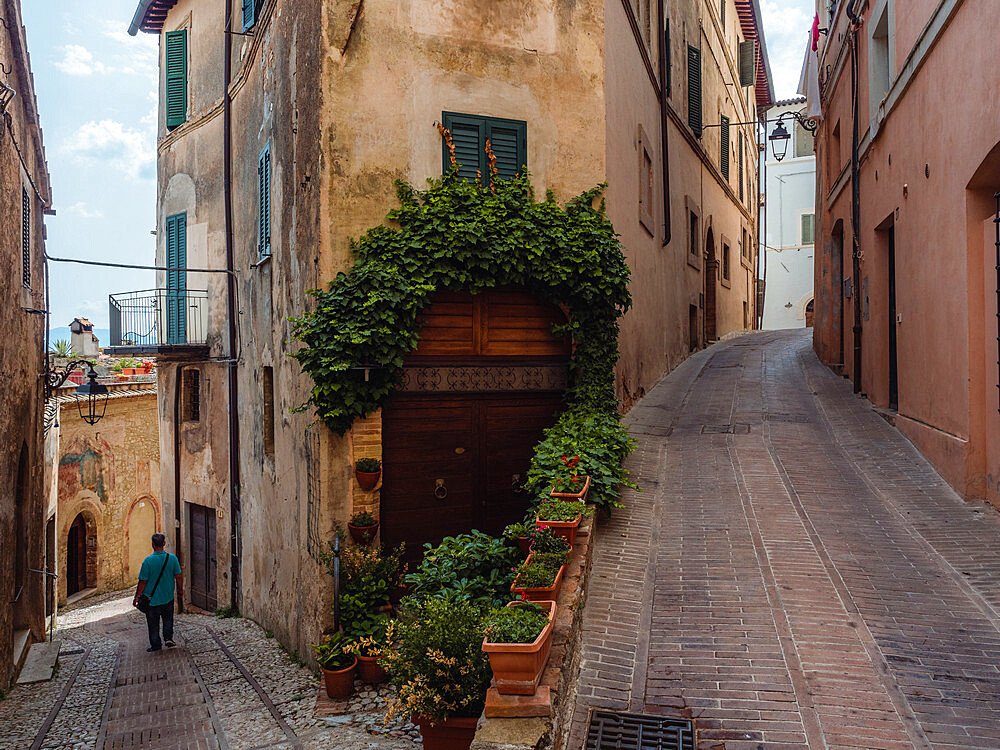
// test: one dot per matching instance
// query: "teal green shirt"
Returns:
(150, 571)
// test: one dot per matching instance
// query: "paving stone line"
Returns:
(43, 730)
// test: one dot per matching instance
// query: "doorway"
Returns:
(457, 439)
(837, 286)
(142, 523)
(201, 539)
(893, 360)
(711, 270)
(76, 556)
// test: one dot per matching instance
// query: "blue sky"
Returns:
(97, 88)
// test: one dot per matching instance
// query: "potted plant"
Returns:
(545, 540)
(367, 471)
(338, 665)
(519, 534)
(367, 649)
(539, 577)
(562, 516)
(435, 659)
(568, 483)
(517, 640)
(363, 526)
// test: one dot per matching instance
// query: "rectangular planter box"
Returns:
(581, 495)
(540, 595)
(517, 667)
(564, 529)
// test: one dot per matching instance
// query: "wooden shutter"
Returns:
(739, 163)
(508, 139)
(249, 13)
(748, 63)
(175, 298)
(724, 149)
(722, 14)
(694, 90)
(264, 202)
(25, 239)
(176, 96)
(469, 136)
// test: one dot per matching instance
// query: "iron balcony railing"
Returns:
(158, 318)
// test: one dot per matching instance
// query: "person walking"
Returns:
(157, 600)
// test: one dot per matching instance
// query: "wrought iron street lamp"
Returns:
(780, 136)
(91, 396)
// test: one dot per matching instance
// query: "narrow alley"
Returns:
(794, 573)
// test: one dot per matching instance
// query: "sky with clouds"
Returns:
(97, 88)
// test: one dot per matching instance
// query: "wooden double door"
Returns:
(457, 439)
(202, 560)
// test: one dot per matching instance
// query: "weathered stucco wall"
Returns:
(22, 497)
(934, 185)
(110, 473)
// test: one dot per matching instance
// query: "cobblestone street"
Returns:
(794, 574)
(226, 685)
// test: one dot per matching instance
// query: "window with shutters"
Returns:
(176, 291)
(694, 89)
(807, 229)
(748, 63)
(739, 163)
(176, 77)
(190, 394)
(646, 183)
(722, 15)
(25, 239)
(725, 264)
(267, 397)
(264, 202)
(805, 142)
(724, 146)
(250, 8)
(508, 140)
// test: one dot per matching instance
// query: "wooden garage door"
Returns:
(457, 439)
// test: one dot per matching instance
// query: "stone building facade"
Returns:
(328, 104)
(24, 198)
(928, 168)
(108, 491)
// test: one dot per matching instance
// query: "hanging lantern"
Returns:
(92, 399)
(779, 140)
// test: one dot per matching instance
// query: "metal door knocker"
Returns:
(440, 491)
(517, 484)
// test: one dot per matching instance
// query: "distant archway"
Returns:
(81, 555)
(142, 522)
(711, 272)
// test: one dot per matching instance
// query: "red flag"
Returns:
(815, 32)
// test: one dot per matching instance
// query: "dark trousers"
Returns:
(153, 617)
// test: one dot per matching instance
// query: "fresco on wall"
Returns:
(86, 465)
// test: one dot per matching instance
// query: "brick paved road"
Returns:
(804, 581)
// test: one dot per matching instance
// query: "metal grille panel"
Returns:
(616, 731)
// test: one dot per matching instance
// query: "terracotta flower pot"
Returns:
(564, 529)
(363, 534)
(517, 667)
(581, 495)
(524, 544)
(369, 670)
(539, 594)
(339, 682)
(367, 479)
(454, 733)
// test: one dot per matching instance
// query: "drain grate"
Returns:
(614, 731)
(790, 418)
(739, 428)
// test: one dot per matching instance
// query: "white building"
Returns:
(790, 204)
(82, 339)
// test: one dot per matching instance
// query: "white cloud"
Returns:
(80, 209)
(113, 145)
(78, 61)
(787, 24)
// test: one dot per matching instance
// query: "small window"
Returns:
(724, 146)
(808, 229)
(190, 395)
(25, 239)
(267, 396)
(508, 139)
(693, 231)
(249, 13)
(805, 142)
(744, 247)
(725, 261)
(646, 213)
(739, 163)
(264, 202)
(176, 53)
(694, 90)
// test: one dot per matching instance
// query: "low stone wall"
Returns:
(553, 698)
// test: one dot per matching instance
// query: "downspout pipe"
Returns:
(664, 119)
(235, 540)
(855, 195)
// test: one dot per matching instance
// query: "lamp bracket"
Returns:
(57, 378)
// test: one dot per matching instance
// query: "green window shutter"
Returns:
(509, 141)
(808, 229)
(176, 78)
(739, 165)
(264, 202)
(722, 14)
(469, 133)
(724, 150)
(249, 14)
(25, 239)
(694, 90)
(176, 292)
(748, 63)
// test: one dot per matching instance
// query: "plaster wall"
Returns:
(110, 472)
(22, 496)
(921, 175)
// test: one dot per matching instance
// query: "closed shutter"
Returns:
(724, 150)
(722, 15)
(264, 202)
(25, 239)
(176, 96)
(508, 139)
(176, 302)
(748, 63)
(808, 229)
(694, 89)
(739, 164)
(249, 13)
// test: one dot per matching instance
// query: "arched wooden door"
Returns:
(76, 556)
(711, 274)
(457, 439)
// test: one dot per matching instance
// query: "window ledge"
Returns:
(261, 261)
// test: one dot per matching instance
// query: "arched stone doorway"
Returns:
(143, 522)
(81, 555)
(711, 273)
(457, 438)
